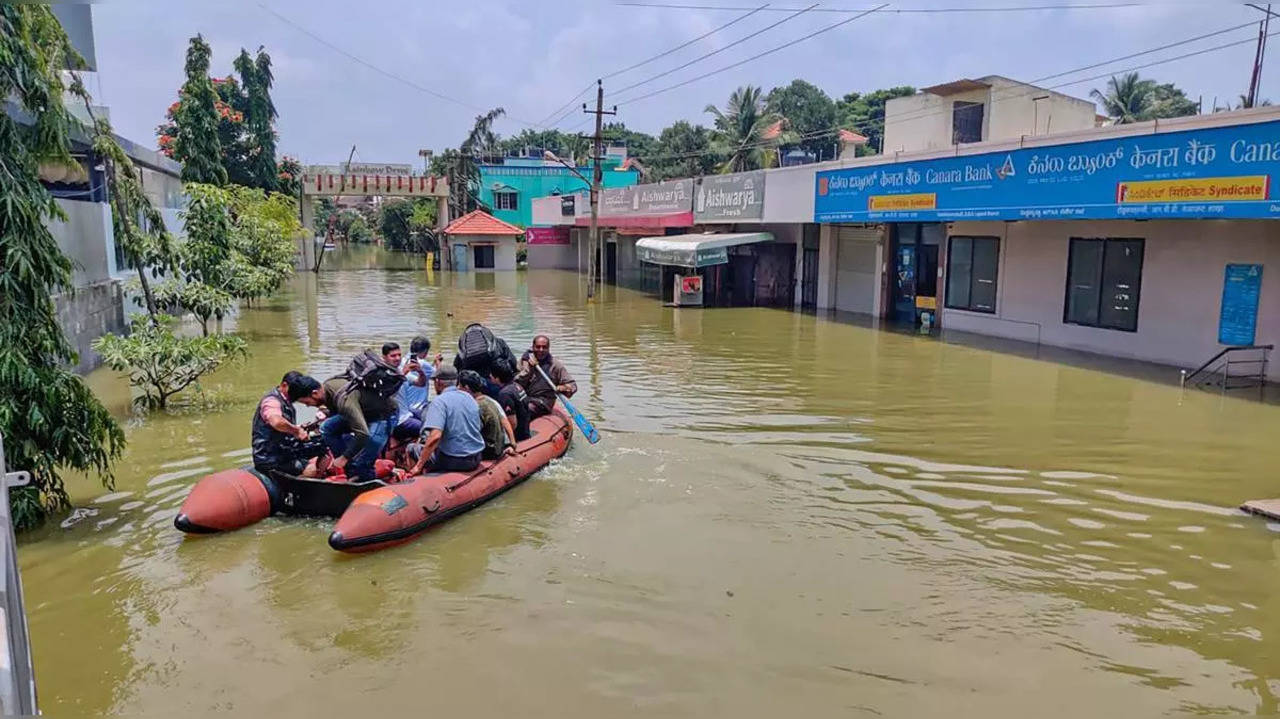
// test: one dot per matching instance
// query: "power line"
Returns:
(717, 51)
(379, 70)
(566, 109)
(814, 134)
(1014, 8)
(757, 56)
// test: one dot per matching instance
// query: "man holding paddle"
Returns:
(542, 386)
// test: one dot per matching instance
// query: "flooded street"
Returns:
(786, 514)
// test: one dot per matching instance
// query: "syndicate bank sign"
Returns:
(1225, 171)
(730, 197)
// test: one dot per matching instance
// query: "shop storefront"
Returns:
(1135, 241)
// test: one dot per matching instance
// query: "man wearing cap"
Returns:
(451, 437)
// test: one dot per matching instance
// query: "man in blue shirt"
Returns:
(452, 441)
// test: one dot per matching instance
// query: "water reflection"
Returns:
(784, 506)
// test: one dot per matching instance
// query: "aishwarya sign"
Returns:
(662, 198)
(547, 235)
(1241, 287)
(1215, 172)
(730, 197)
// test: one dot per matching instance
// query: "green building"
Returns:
(510, 188)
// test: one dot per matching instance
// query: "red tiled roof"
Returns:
(773, 131)
(479, 222)
(849, 136)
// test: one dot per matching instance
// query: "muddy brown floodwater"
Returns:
(787, 515)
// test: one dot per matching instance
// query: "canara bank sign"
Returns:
(1216, 172)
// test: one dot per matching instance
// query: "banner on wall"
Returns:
(1222, 172)
(547, 235)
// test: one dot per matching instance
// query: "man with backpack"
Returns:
(480, 350)
(362, 412)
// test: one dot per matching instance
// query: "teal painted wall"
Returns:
(531, 179)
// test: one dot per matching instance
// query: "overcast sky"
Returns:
(530, 57)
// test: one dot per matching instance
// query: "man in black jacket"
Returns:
(279, 444)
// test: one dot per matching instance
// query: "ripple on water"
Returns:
(185, 462)
(112, 497)
(167, 477)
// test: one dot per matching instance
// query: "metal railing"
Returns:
(1248, 361)
(17, 676)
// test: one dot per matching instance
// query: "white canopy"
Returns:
(695, 250)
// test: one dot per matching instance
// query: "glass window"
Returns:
(966, 122)
(1104, 280)
(972, 266)
(505, 201)
(484, 257)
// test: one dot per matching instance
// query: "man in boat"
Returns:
(412, 398)
(542, 396)
(451, 440)
(279, 443)
(480, 350)
(362, 412)
(499, 437)
(512, 398)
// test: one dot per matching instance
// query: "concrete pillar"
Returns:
(827, 248)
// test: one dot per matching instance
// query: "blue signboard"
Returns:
(1217, 172)
(1241, 286)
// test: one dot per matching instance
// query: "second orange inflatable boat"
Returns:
(396, 513)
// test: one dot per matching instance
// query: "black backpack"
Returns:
(479, 349)
(368, 371)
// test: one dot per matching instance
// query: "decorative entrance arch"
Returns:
(365, 179)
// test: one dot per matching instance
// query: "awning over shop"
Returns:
(698, 250)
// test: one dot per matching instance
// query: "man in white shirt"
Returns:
(417, 367)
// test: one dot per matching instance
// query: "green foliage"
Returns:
(864, 114)
(259, 118)
(161, 362)
(743, 133)
(1131, 98)
(639, 144)
(462, 166)
(324, 210)
(424, 216)
(357, 230)
(393, 225)
(50, 420)
(682, 150)
(810, 113)
(289, 176)
(196, 144)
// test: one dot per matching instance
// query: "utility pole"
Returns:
(597, 156)
(1255, 78)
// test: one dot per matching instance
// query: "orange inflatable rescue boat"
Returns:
(375, 514)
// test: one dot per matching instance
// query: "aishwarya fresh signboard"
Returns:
(1215, 172)
(730, 198)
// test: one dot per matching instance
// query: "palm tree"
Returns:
(746, 135)
(1127, 99)
(480, 146)
(1244, 103)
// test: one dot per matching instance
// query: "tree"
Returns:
(289, 177)
(162, 363)
(1168, 100)
(260, 115)
(463, 166)
(196, 144)
(229, 107)
(864, 114)
(745, 134)
(394, 225)
(422, 223)
(50, 420)
(810, 113)
(639, 144)
(1132, 98)
(682, 150)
